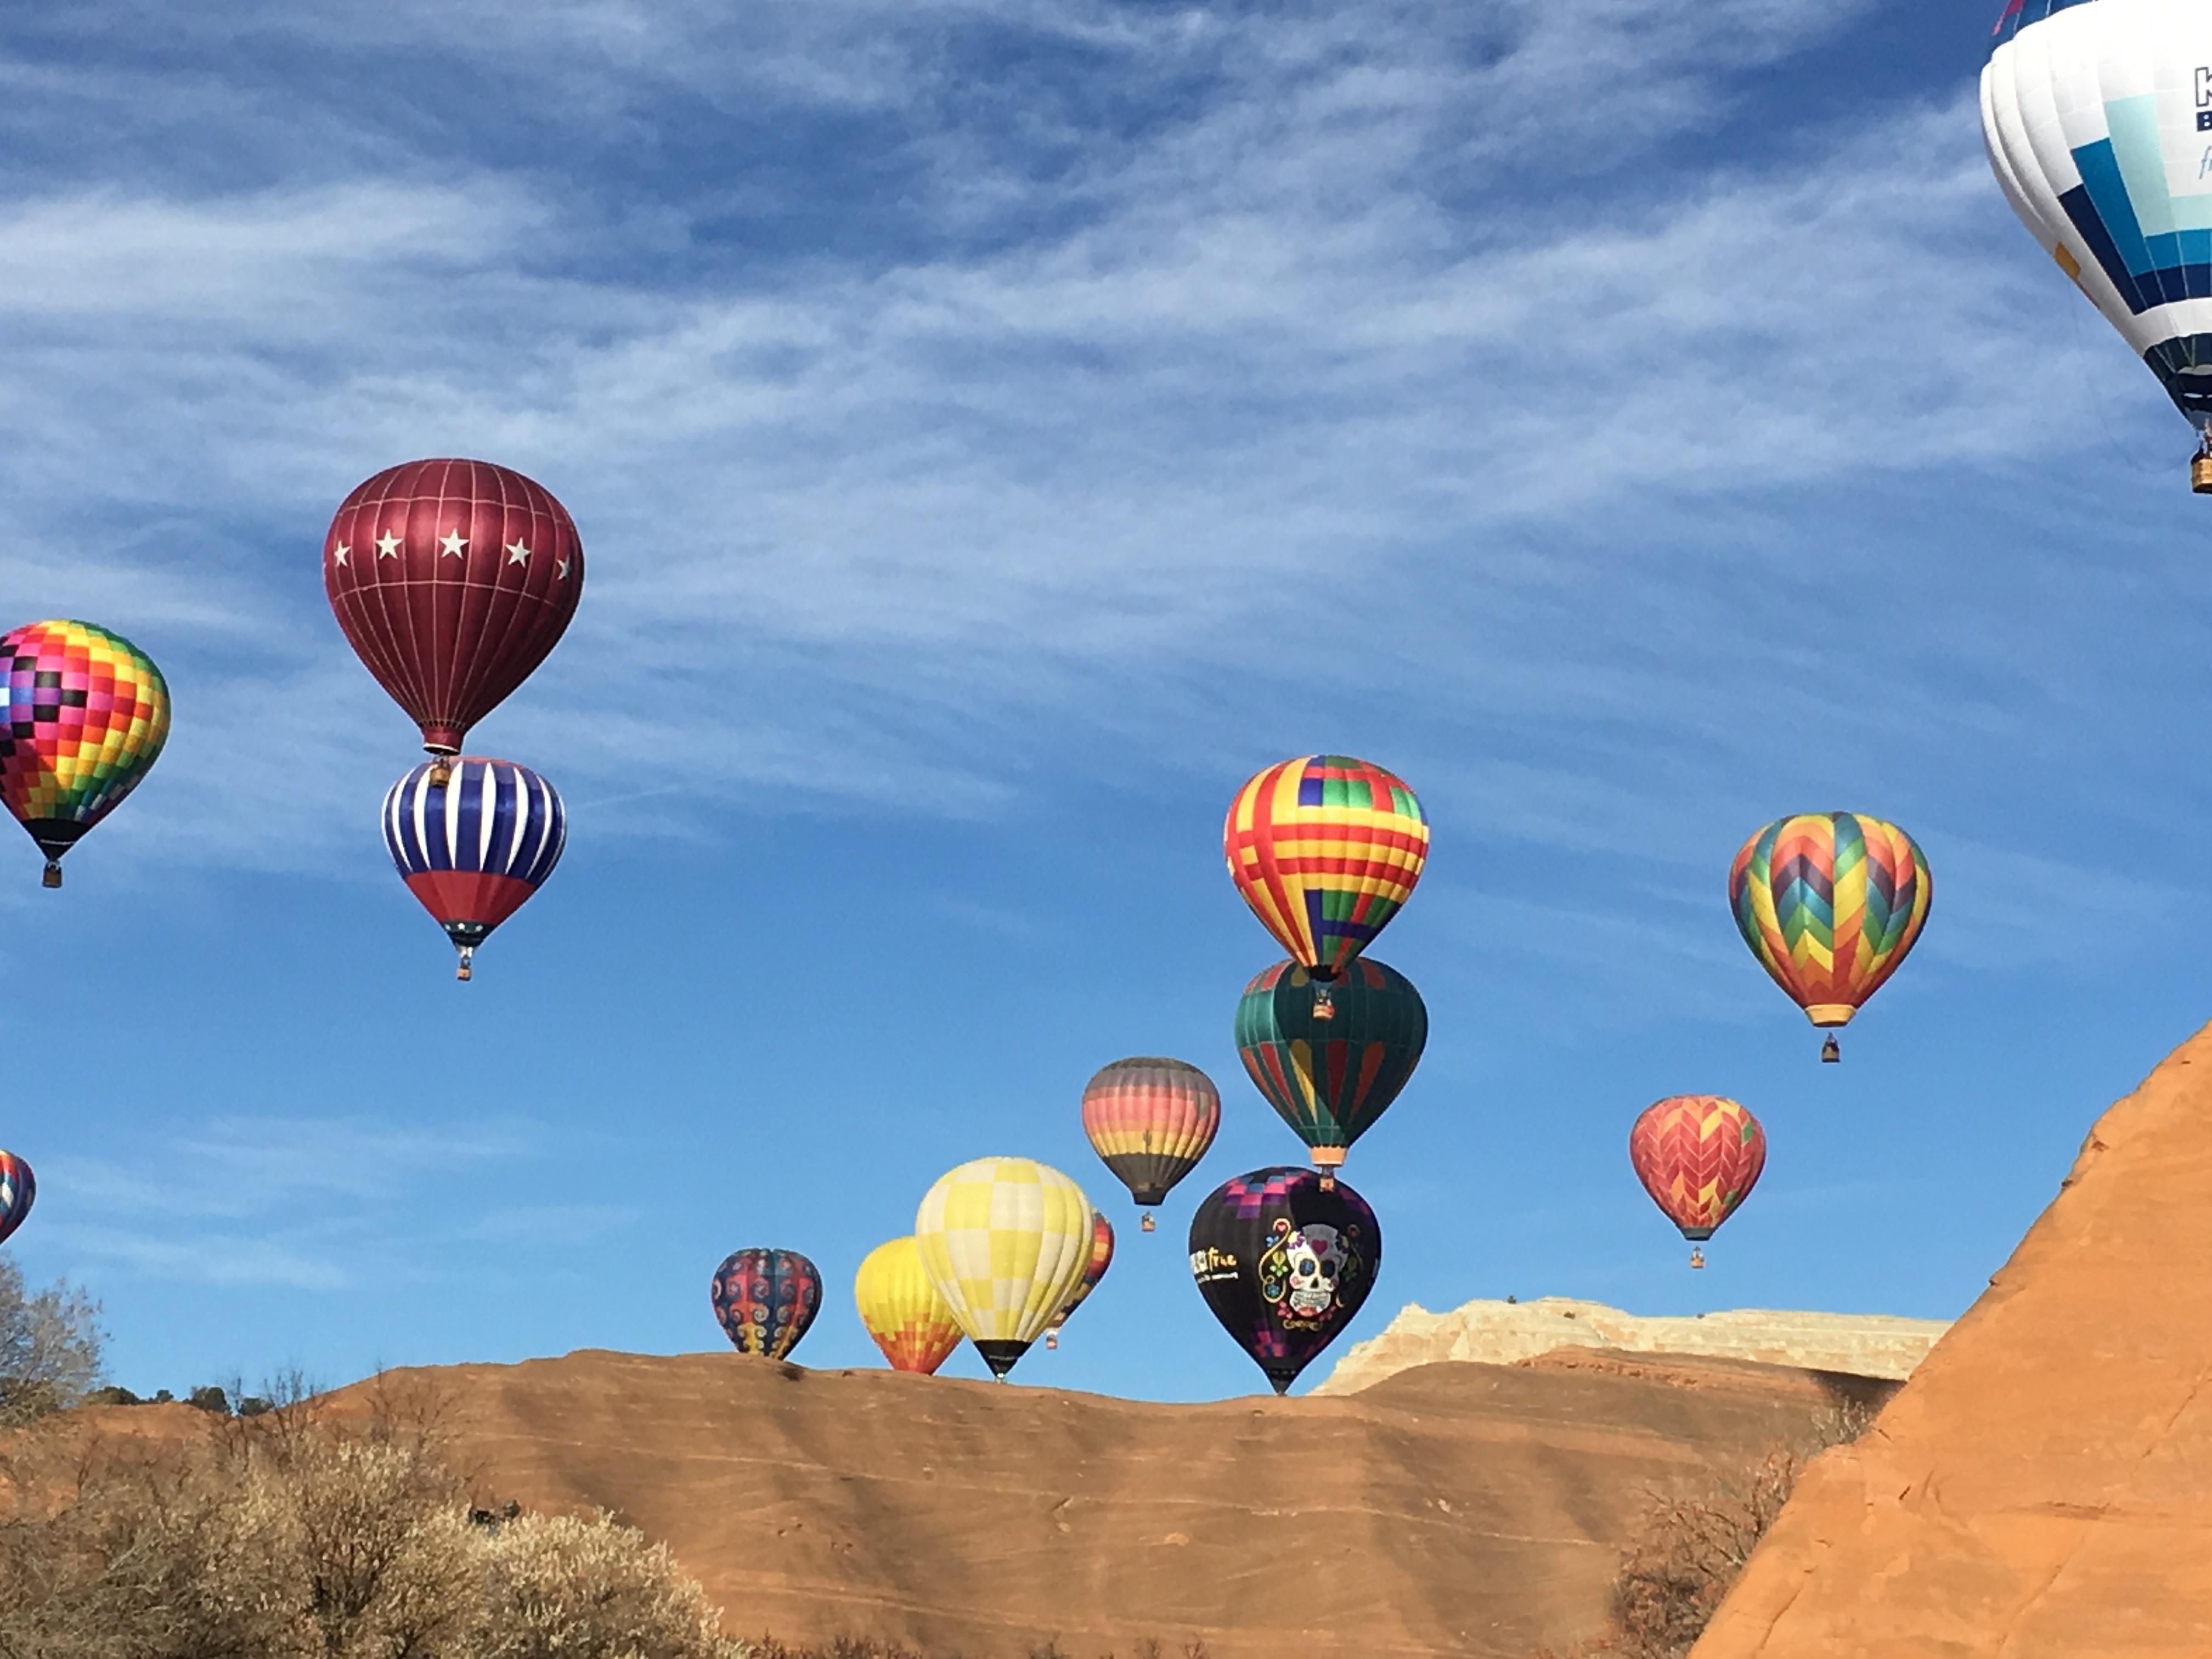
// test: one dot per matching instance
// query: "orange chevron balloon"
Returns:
(1325, 849)
(1699, 1156)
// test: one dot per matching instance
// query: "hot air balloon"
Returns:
(452, 580)
(88, 713)
(1006, 1240)
(472, 838)
(1102, 1257)
(1330, 1068)
(1830, 903)
(1325, 849)
(1151, 1120)
(910, 1321)
(1699, 1156)
(17, 1190)
(2095, 117)
(766, 1299)
(1284, 1262)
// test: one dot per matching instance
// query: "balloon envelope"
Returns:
(2094, 117)
(1102, 1257)
(88, 713)
(1151, 1120)
(1830, 903)
(909, 1320)
(1283, 1264)
(1699, 1156)
(17, 1190)
(1325, 849)
(1006, 1240)
(472, 848)
(1331, 1058)
(452, 580)
(766, 1299)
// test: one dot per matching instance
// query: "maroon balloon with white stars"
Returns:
(452, 580)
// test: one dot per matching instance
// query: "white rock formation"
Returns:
(1501, 1333)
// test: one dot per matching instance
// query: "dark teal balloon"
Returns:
(1330, 1058)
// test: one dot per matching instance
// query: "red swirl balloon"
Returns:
(452, 580)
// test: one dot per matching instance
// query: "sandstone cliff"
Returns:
(2042, 1485)
(1504, 1332)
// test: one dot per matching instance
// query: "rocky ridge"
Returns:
(1508, 1333)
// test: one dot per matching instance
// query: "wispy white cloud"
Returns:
(1320, 322)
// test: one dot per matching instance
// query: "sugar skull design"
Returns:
(1304, 1269)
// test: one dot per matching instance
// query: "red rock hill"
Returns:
(1458, 1509)
(2042, 1485)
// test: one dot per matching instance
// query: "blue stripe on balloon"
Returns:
(528, 825)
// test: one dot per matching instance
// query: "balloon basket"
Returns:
(441, 772)
(1145, 1224)
(1328, 1160)
(52, 878)
(1696, 1257)
(1324, 1002)
(2200, 474)
(1052, 1338)
(1832, 1052)
(466, 969)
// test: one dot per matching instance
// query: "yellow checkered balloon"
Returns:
(1006, 1242)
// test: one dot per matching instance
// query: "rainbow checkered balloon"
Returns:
(1325, 849)
(88, 713)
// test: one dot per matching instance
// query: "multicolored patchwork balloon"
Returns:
(1325, 849)
(88, 713)
(473, 838)
(1699, 1156)
(17, 1191)
(1830, 903)
(1284, 1263)
(452, 580)
(1102, 1257)
(909, 1320)
(1330, 1058)
(1150, 1121)
(1006, 1240)
(766, 1299)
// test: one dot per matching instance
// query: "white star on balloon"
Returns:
(517, 553)
(453, 541)
(388, 546)
(562, 566)
(342, 551)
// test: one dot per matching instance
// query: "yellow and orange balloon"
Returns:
(909, 1320)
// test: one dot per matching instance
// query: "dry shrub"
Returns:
(51, 1344)
(1689, 1552)
(291, 1535)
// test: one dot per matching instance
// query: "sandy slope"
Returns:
(1460, 1509)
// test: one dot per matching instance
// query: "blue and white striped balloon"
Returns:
(472, 838)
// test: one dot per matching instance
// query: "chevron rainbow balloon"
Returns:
(1830, 903)
(1325, 849)
(1699, 1156)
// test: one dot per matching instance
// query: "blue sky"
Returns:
(997, 428)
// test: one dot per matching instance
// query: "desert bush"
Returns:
(51, 1347)
(290, 1535)
(1688, 1552)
